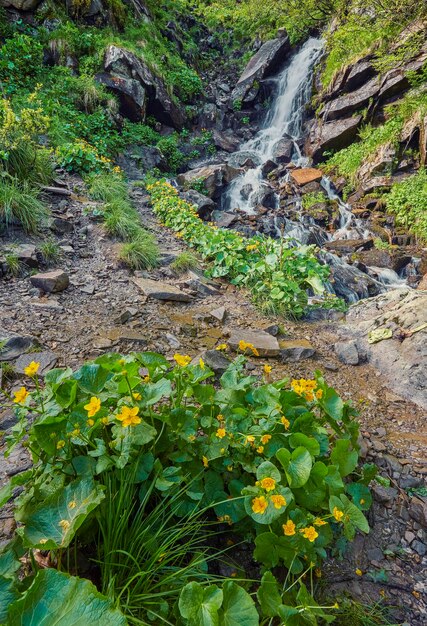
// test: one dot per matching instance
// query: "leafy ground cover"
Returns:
(277, 274)
(147, 474)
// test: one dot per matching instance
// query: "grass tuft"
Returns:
(50, 251)
(185, 261)
(19, 204)
(140, 253)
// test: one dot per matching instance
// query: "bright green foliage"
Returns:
(408, 201)
(104, 434)
(277, 275)
(310, 199)
(19, 204)
(185, 261)
(21, 57)
(141, 253)
(56, 598)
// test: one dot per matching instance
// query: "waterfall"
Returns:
(293, 90)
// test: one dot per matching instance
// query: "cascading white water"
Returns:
(285, 118)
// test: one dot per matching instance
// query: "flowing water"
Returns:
(284, 121)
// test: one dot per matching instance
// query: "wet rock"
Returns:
(297, 350)
(225, 141)
(46, 359)
(423, 283)
(215, 178)
(244, 158)
(21, 5)
(347, 104)
(51, 282)
(331, 136)
(223, 219)
(203, 204)
(266, 61)
(283, 150)
(349, 246)
(132, 80)
(62, 226)
(216, 361)
(264, 344)
(347, 352)
(306, 175)
(268, 167)
(161, 291)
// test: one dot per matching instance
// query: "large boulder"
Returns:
(401, 359)
(331, 136)
(203, 204)
(347, 104)
(140, 92)
(351, 77)
(264, 63)
(215, 177)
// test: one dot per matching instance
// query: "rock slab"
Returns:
(51, 282)
(161, 291)
(265, 344)
(297, 350)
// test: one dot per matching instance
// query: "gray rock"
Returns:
(216, 361)
(384, 495)
(62, 226)
(224, 141)
(161, 291)
(51, 282)
(266, 61)
(25, 253)
(223, 219)
(201, 284)
(15, 345)
(203, 204)
(46, 359)
(347, 352)
(331, 135)
(219, 314)
(418, 511)
(264, 344)
(297, 350)
(215, 177)
(345, 105)
(419, 547)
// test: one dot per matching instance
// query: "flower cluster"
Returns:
(307, 388)
(246, 345)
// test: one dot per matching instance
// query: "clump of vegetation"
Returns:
(142, 466)
(19, 204)
(141, 252)
(185, 261)
(407, 200)
(277, 274)
(50, 251)
(312, 198)
(13, 264)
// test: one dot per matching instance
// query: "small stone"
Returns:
(216, 361)
(201, 284)
(419, 548)
(330, 366)
(15, 345)
(46, 359)
(172, 341)
(264, 344)
(219, 314)
(51, 282)
(384, 495)
(347, 352)
(296, 350)
(418, 511)
(161, 291)
(101, 343)
(409, 536)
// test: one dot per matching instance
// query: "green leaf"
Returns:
(57, 599)
(345, 458)
(53, 523)
(299, 439)
(333, 404)
(7, 595)
(269, 596)
(200, 605)
(238, 608)
(361, 496)
(268, 470)
(153, 392)
(352, 515)
(92, 377)
(297, 465)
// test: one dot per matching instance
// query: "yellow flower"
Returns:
(93, 406)
(221, 433)
(129, 416)
(205, 461)
(43, 541)
(310, 533)
(65, 524)
(319, 522)
(191, 438)
(32, 368)
(259, 505)
(75, 432)
(267, 369)
(105, 421)
(286, 423)
(146, 379)
(253, 246)
(319, 394)
(72, 504)
(90, 422)
(201, 364)
(337, 514)
(222, 346)
(268, 484)
(182, 360)
(60, 444)
(21, 395)
(278, 501)
(359, 572)
(260, 449)
(289, 528)
(249, 439)
(265, 439)
(245, 345)
(137, 396)
(361, 501)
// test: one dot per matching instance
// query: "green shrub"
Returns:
(21, 58)
(81, 157)
(408, 202)
(13, 264)
(168, 146)
(310, 199)
(106, 187)
(19, 204)
(187, 82)
(141, 252)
